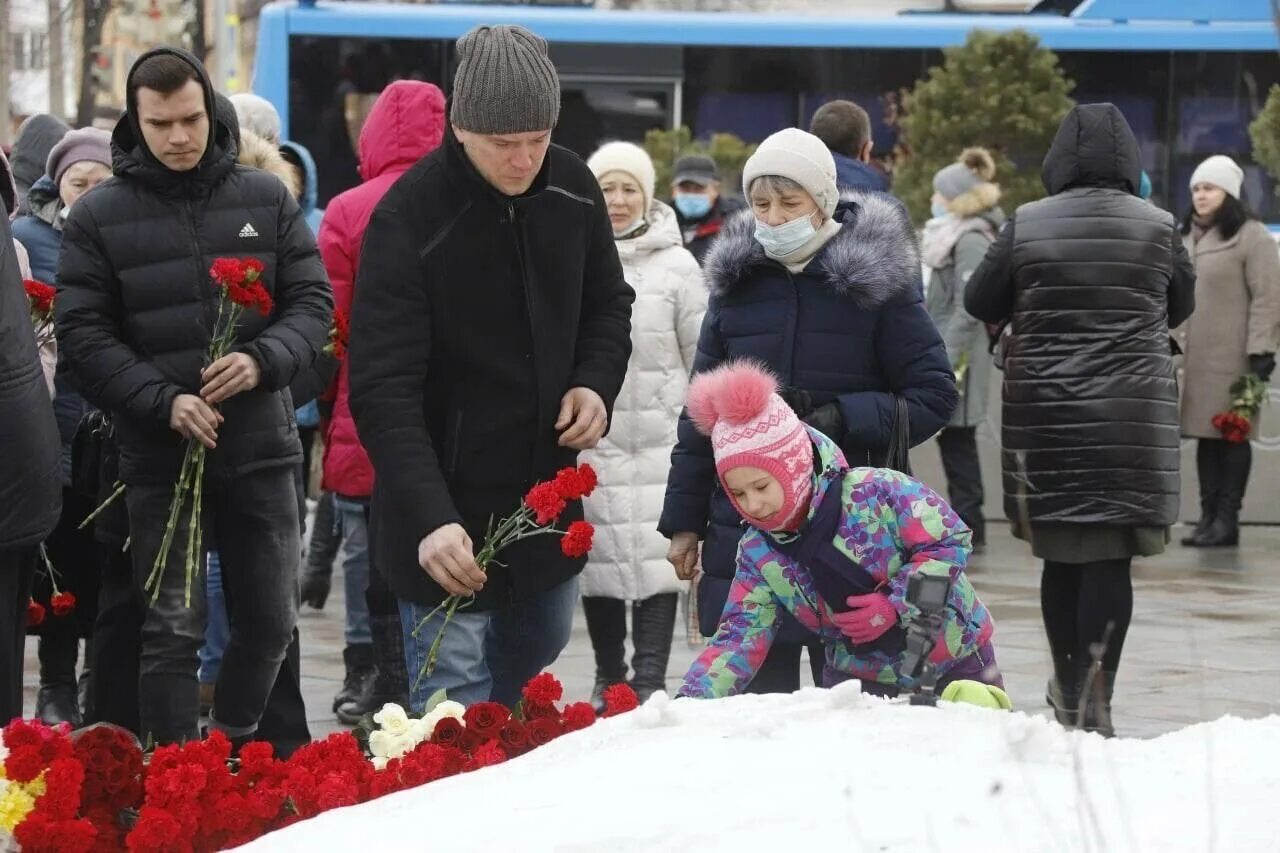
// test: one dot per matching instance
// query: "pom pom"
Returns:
(735, 392)
(980, 162)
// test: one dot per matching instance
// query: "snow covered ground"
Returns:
(835, 770)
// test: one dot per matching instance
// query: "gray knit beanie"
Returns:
(505, 82)
(954, 180)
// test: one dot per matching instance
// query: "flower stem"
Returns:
(433, 654)
(119, 490)
(175, 513)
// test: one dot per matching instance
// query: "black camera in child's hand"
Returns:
(928, 594)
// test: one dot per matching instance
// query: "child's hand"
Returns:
(683, 555)
(870, 617)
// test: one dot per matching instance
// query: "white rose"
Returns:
(393, 719)
(380, 744)
(448, 708)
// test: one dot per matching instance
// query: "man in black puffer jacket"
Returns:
(30, 459)
(1090, 281)
(135, 311)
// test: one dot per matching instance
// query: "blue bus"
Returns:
(1188, 85)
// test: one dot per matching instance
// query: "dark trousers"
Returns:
(254, 521)
(1222, 468)
(1079, 602)
(653, 620)
(780, 672)
(73, 553)
(114, 679)
(17, 572)
(959, 448)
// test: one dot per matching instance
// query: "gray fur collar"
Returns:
(873, 258)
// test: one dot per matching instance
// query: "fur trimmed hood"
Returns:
(261, 154)
(873, 258)
(981, 198)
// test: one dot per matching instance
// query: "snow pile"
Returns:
(836, 770)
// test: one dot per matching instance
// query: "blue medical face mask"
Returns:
(781, 240)
(938, 209)
(692, 205)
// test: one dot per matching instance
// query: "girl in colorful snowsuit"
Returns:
(833, 546)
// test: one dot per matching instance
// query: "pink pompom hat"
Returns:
(738, 407)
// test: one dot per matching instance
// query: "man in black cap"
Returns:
(490, 335)
(700, 209)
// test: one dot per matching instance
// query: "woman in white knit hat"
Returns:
(1234, 331)
(628, 561)
(825, 292)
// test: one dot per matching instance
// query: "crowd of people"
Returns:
(744, 374)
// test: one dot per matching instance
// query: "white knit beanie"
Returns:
(800, 156)
(1221, 171)
(258, 115)
(625, 157)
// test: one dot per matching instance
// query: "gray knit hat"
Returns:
(505, 82)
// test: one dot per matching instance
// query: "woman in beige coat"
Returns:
(1234, 331)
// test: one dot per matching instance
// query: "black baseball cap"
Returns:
(696, 169)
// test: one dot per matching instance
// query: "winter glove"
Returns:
(799, 401)
(977, 693)
(870, 617)
(827, 420)
(315, 588)
(1262, 365)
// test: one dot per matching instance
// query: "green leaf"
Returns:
(436, 698)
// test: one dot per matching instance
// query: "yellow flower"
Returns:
(15, 804)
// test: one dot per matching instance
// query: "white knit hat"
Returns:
(800, 156)
(1221, 171)
(628, 158)
(257, 114)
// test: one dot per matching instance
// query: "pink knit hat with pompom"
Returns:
(738, 406)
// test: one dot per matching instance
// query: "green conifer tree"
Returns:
(667, 146)
(1002, 91)
(1264, 131)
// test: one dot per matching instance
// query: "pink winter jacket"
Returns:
(406, 123)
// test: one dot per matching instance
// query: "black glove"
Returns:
(827, 420)
(1262, 365)
(799, 401)
(315, 588)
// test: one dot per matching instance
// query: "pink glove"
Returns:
(870, 617)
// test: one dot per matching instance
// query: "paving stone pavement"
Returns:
(1205, 639)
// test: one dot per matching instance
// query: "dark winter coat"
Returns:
(136, 307)
(474, 314)
(30, 485)
(1090, 281)
(853, 174)
(40, 233)
(700, 234)
(851, 328)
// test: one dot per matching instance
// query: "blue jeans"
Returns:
(355, 570)
(217, 631)
(488, 656)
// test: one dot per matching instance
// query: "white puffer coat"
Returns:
(629, 557)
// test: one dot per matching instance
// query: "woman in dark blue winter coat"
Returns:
(824, 291)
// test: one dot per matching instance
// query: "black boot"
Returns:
(59, 700)
(390, 681)
(1063, 696)
(359, 664)
(1236, 459)
(1209, 474)
(607, 627)
(1096, 704)
(653, 621)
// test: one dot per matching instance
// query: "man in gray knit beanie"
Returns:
(506, 99)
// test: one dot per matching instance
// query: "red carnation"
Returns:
(448, 732)
(618, 699)
(542, 731)
(487, 754)
(227, 271)
(339, 335)
(514, 737)
(486, 718)
(23, 765)
(252, 269)
(576, 483)
(40, 300)
(578, 716)
(543, 689)
(35, 612)
(576, 541)
(546, 502)
(62, 603)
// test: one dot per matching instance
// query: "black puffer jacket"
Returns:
(1090, 279)
(474, 313)
(136, 306)
(30, 473)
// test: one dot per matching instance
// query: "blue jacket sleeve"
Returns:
(915, 365)
(693, 469)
